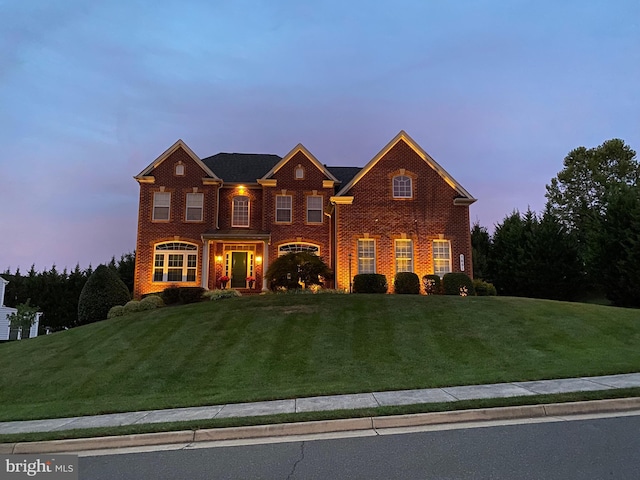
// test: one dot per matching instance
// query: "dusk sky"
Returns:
(497, 92)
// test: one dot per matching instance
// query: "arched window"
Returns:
(175, 262)
(240, 215)
(402, 187)
(298, 247)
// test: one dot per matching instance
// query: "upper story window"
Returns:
(240, 215)
(195, 206)
(441, 257)
(283, 208)
(299, 172)
(404, 256)
(180, 169)
(161, 206)
(402, 187)
(314, 209)
(366, 255)
(175, 262)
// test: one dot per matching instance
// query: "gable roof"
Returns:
(241, 167)
(167, 153)
(403, 136)
(344, 174)
(306, 153)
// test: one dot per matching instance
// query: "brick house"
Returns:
(231, 214)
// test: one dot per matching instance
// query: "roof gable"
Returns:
(167, 153)
(306, 153)
(403, 136)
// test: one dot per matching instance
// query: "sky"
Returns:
(497, 92)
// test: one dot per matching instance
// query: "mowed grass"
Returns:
(285, 346)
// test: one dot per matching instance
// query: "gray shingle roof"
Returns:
(241, 167)
(344, 174)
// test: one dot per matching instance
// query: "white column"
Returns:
(265, 263)
(205, 265)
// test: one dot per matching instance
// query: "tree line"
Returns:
(56, 293)
(585, 243)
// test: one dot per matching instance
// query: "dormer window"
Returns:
(180, 169)
(402, 187)
(299, 173)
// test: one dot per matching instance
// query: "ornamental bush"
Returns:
(170, 295)
(190, 294)
(297, 270)
(132, 306)
(457, 284)
(370, 283)
(103, 290)
(221, 294)
(406, 283)
(154, 300)
(115, 311)
(432, 284)
(484, 289)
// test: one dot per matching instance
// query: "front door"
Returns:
(238, 269)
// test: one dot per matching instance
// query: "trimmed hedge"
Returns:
(484, 289)
(432, 284)
(457, 284)
(406, 283)
(154, 300)
(115, 311)
(370, 283)
(171, 295)
(190, 294)
(103, 290)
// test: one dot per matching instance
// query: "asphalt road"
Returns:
(585, 449)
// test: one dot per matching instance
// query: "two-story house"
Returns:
(231, 214)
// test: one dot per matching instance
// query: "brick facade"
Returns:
(358, 208)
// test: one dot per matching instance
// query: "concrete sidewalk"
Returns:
(327, 403)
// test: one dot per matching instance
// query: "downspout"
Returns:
(218, 208)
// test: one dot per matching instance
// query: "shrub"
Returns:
(406, 283)
(132, 307)
(154, 300)
(190, 294)
(432, 284)
(103, 290)
(115, 311)
(457, 284)
(292, 269)
(370, 283)
(484, 289)
(170, 295)
(221, 294)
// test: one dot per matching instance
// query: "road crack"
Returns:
(295, 465)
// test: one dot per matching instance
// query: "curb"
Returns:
(323, 426)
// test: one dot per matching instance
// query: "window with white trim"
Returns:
(161, 206)
(314, 209)
(404, 255)
(175, 262)
(283, 208)
(298, 247)
(195, 205)
(299, 175)
(240, 214)
(441, 257)
(402, 187)
(366, 255)
(180, 170)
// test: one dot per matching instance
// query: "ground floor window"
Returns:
(175, 262)
(404, 256)
(366, 255)
(298, 247)
(441, 257)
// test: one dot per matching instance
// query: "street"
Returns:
(579, 449)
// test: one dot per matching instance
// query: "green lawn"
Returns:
(283, 346)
